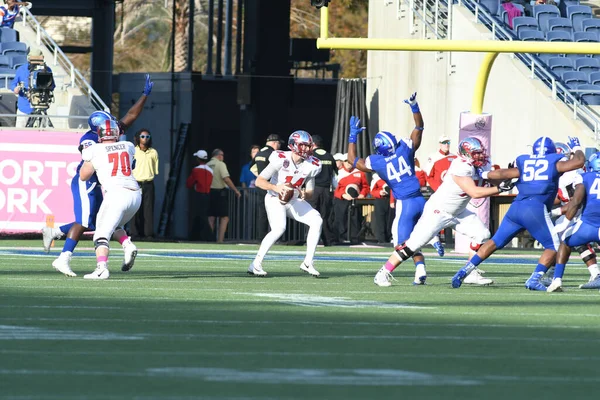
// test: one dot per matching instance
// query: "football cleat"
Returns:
(256, 270)
(475, 278)
(594, 283)
(383, 278)
(534, 283)
(458, 278)
(309, 269)
(129, 257)
(62, 264)
(100, 273)
(48, 235)
(420, 275)
(439, 247)
(555, 286)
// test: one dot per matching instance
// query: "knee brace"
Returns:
(475, 246)
(403, 252)
(417, 254)
(586, 252)
(101, 242)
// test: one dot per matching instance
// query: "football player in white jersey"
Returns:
(113, 162)
(297, 168)
(447, 207)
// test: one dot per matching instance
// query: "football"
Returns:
(289, 193)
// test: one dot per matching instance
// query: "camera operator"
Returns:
(34, 84)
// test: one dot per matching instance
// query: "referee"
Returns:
(261, 160)
(322, 198)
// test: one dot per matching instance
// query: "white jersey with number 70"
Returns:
(113, 163)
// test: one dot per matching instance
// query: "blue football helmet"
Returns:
(98, 118)
(384, 144)
(473, 151)
(301, 143)
(562, 148)
(543, 146)
(594, 163)
(109, 130)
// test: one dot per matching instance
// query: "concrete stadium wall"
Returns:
(522, 108)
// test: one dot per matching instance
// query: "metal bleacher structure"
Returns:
(571, 79)
(74, 98)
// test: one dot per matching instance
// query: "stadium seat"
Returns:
(564, 4)
(504, 14)
(544, 57)
(7, 71)
(17, 60)
(5, 61)
(574, 57)
(578, 13)
(594, 78)
(589, 94)
(585, 37)
(560, 65)
(586, 64)
(491, 6)
(531, 35)
(13, 47)
(524, 24)
(560, 24)
(591, 25)
(543, 12)
(8, 35)
(574, 78)
(558, 36)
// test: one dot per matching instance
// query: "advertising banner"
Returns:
(36, 168)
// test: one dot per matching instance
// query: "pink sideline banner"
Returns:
(479, 126)
(36, 168)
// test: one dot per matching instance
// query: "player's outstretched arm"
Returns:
(135, 110)
(417, 134)
(468, 186)
(355, 130)
(578, 159)
(501, 174)
(575, 201)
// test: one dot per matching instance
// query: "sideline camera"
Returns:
(41, 83)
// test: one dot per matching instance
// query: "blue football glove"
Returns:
(355, 129)
(574, 142)
(412, 102)
(148, 86)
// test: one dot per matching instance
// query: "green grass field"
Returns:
(187, 322)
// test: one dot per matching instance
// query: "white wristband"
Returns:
(556, 212)
(484, 174)
(574, 149)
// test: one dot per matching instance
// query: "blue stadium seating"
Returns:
(560, 24)
(591, 25)
(8, 35)
(17, 60)
(560, 65)
(5, 61)
(7, 71)
(574, 78)
(578, 13)
(524, 24)
(504, 14)
(589, 94)
(543, 13)
(11, 47)
(574, 57)
(491, 5)
(531, 35)
(594, 78)
(586, 64)
(544, 57)
(564, 4)
(558, 36)
(585, 37)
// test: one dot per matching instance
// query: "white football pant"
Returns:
(118, 207)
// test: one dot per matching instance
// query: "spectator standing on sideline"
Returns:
(247, 177)
(352, 184)
(146, 168)
(339, 160)
(219, 195)
(322, 198)
(24, 107)
(10, 11)
(261, 160)
(383, 214)
(438, 163)
(200, 180)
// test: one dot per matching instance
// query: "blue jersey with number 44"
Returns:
(398, 170)
(539, 178)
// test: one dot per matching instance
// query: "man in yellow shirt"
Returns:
(146, 168)
(219, 194)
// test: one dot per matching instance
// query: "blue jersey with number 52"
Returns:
(539, 178)
(398, 170)
(591, 211)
